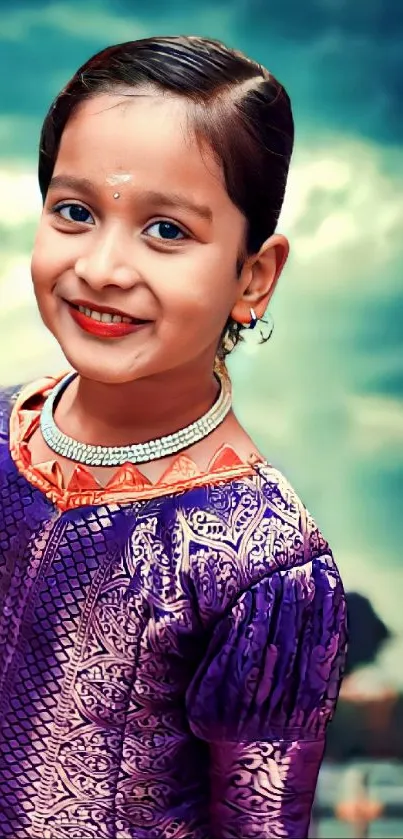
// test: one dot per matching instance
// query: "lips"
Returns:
(104, 322)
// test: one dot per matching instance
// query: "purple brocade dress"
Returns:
(168, 665)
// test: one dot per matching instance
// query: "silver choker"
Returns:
(63, 445)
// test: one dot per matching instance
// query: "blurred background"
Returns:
(324, 398)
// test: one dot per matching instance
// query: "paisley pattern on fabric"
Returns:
(168, 666)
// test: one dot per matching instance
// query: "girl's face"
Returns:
(137, 223)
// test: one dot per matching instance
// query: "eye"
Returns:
(166, 231)
(74, 213)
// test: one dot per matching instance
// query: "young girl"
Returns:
(172, 621)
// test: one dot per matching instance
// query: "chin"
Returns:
(117, 362)
(99, 366)
(107, 374)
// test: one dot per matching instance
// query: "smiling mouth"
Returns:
(104, 323)
(105, 316)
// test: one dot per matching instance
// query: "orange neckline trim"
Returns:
(127, 484)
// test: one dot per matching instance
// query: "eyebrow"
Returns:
(151, 197)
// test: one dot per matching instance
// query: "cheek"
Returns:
(41, 256)
(195, 318)
(45, 272)
(202, 285)
(47, 260)
(38, 271)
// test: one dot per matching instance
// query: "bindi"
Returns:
(116, 179)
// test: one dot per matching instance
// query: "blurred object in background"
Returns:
(360, 791)
(369, 718)
(356, 807)
(367, 632)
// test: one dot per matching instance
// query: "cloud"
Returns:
(20, 133)
(15, 288)
(71, 33)
(363, 572)
(376, 423)
(90, 22)
(100, 21)
(23, 202)
(344, 212)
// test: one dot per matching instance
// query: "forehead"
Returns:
(147, 137)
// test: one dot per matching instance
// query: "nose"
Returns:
(108, 261)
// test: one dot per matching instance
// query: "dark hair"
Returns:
(235, 105)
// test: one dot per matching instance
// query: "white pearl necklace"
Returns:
(90, 455)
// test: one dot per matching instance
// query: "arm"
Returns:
(263, 697)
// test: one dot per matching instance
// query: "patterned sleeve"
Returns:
(263, 696)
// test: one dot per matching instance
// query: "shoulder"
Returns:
(32, 393)
(265, 511)
(283, 502)
(15, 399)
(301, 557)
(251, 530)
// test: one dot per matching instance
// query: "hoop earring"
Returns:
(267, 336)
(253, 319)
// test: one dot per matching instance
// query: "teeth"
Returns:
(105, 317)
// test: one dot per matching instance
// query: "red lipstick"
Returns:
(103, 329)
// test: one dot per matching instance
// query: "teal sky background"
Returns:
(324, 399)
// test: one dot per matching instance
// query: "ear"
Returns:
(259, 278)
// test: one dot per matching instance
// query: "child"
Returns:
(172, 620)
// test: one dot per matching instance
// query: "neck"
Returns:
(134, 412)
